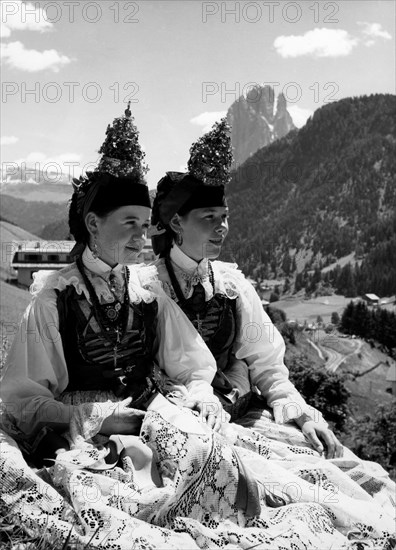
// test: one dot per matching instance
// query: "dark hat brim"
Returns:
(187, 193)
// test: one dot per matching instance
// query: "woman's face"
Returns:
(203, 231)
(120, 235)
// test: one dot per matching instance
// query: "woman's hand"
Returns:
(123, 420)
(318, 433)
(210, 411)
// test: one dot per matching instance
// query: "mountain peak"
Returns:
(257, 119)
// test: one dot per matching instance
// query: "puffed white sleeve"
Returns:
(35, 371)
(261, 345)
(182, 353)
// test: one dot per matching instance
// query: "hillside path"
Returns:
(319, 351)
(335, 359)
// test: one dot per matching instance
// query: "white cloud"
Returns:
(207, 119)
(43, 159)
(18, 57)
(316, 43)
(299, 115)
(38, 161)
(8, 140)
(34, 157)
(372, 31)
(19, 16)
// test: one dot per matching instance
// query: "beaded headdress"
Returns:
(211, 155)
(122, 157)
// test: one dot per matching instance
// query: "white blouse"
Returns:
(35, 373)
(259, 347)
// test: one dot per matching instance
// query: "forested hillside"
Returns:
(322, 192)
(31, 216)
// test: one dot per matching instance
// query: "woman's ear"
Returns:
(91, 222)
(175, 224)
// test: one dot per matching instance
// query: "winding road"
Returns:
(335, 358)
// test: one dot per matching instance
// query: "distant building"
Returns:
(371, 299)
(391, 377)
(270, 284)
(32, 256)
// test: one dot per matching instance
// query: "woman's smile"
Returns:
(134, 247)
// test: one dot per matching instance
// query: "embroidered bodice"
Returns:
(102, 353)
(89, 348)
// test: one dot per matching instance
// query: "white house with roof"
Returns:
(371, 299)
(32, 256)
(391, 377)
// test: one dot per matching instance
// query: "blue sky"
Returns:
(181, 63)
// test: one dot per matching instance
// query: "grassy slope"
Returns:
(303, 346)
(14, 301)
(369, 390)
(308, 310)
(350, 259)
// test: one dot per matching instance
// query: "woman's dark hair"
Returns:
(76, 222)
(167, 238)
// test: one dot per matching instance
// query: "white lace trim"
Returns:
(61, 279)
(229, 280)
(139, 275)
(148, 276)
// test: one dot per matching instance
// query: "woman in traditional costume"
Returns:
(190, 213)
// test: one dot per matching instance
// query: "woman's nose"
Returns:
(223, 227)
(140, 233)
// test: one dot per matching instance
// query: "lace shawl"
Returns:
(45, 280)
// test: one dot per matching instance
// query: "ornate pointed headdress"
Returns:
(122, 164)
(209, 168)
(121, 151)
(211, 155)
